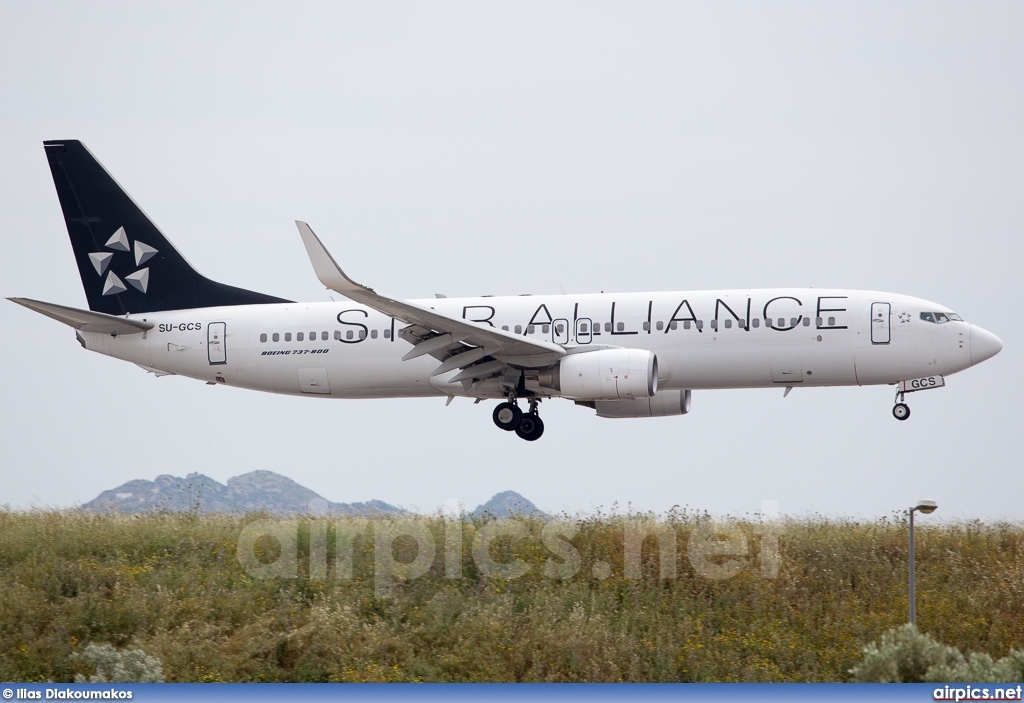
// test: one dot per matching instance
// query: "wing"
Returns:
(479, 350)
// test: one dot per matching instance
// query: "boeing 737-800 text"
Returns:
(624, 355)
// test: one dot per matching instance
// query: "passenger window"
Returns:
(757, 322)
(530, 329)
(312, 336)
(660, 325)
(362, 334)
(728, 324)
(387, 334)
(298, 337)
(584, 327)
(620, 326)
(287, 336)
(792, 322)
(546, 329)
(607, 327)
(263, 337)
(807, 322)
(558, 329)
(323, 336)
(675, 324)
(519, 329)
(647, 326)
(337, 334)
(504, 328)
(700, 324)
(831, 322)
(276, 337)
(818, 322)
(714, 325)
(373, 334)
(348, 334)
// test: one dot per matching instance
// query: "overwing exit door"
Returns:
(880, 332)
(584, 330)
(560, 331)
(216, 349)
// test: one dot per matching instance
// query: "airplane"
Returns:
(624, 355)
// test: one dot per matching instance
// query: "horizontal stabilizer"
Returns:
(85, 320)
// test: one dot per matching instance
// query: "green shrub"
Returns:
(906, 655)
(118, 666)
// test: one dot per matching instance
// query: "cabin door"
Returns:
(880, 332)
(216, 332)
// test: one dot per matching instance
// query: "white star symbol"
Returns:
(138, 279)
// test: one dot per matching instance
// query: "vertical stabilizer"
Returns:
(127, 265)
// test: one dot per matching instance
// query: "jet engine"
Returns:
(603, 374)
(664, 404)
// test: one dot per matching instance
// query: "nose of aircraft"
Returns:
(984, 345)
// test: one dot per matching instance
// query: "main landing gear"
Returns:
(510, 418)
(900, 411)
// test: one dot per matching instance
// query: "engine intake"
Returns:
(604, 374)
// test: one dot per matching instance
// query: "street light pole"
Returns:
(925, 506)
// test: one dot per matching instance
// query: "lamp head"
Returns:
(926, 506)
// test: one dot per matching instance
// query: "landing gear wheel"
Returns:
(901, 411)
(531, 427)
(507, 416)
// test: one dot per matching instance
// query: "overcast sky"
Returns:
(486, 148)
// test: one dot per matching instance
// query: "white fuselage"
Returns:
(702, 339)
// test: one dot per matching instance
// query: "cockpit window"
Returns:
(939, 317)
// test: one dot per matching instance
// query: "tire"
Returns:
(531, 427)
(901, 411)
(507, 416)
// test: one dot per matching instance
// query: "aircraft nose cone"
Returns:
(984, 345)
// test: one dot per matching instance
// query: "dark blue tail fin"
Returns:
(127, 265)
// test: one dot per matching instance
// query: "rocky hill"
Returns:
(507, 504)
(257, 490)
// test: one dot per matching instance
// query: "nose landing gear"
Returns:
(509, 417)
(900, 411)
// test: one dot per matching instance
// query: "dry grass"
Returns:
(172, 585)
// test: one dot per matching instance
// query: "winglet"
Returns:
(326, 268)
(495, 341)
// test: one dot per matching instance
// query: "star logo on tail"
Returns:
(139, 279)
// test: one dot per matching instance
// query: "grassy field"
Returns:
(173, 585)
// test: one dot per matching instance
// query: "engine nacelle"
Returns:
(603, 374)
(663, 404)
